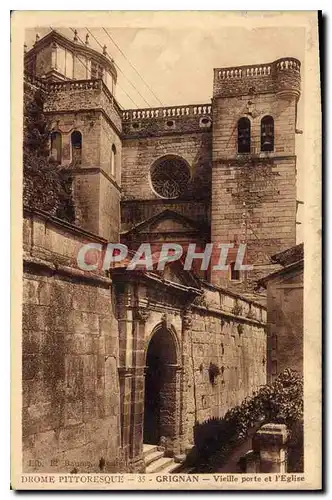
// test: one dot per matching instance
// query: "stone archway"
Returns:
(161, 390)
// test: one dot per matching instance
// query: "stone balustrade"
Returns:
(281, 77)
(74, 85)
(70, 86)
(33, 80)
(243, 72)
(288, 63)
(168, 112)
(263, 70)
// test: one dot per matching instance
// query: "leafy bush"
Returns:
(46, 186)
(280, 402)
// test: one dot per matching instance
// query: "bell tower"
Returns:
(254, 164)
(86, 121)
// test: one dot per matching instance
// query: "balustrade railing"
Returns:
(74, 85)
(168, 112)
(260, 70)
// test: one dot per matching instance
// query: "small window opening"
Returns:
(76, 146)
(243, 132)
(267, 134)
(93, 71)
(113, 159)
(235, 273)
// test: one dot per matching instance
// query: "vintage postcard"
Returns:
(166, 182)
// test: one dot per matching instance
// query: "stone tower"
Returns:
(79, 85)
(254, 162)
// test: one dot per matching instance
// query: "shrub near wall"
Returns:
(280, 402)
(46, 185)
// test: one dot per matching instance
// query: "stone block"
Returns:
(71, 437)
(30, 291)
(73, 411)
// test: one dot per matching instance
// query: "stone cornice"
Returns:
(86, 110)
(231, 293)
(32, 213)
(228, 315)
(31, 262)
(92, 171)
(154, 279)
(242, 160)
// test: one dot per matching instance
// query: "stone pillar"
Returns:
(125, 371)
(270, 443)
(186, 326)
(125, 376)
(140, 315)
(170, 408)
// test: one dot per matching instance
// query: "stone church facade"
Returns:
(117, 359)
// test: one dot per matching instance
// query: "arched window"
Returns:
(113, 160)
(243, 135)
(267, 134)
(56, 147)
(76, 147)
(235, 273)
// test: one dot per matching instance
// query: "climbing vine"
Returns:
(256, 182)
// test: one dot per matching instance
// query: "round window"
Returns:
(170, 177)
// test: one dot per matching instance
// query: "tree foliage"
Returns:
(280, 402)
(46, 186)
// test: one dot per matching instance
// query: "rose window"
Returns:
(170, 177)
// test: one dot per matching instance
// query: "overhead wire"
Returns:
(122, 53)
(88, 70)
(118, 67)
(129, 97)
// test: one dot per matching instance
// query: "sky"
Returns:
(177, 62)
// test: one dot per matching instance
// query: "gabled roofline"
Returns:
(288, 256)
(299, 264)
(167, 213)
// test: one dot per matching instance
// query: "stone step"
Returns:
(149, 448)
(152, 456)
(159, 465)
(173, 467)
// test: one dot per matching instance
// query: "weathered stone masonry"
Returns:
(85, 343)
(114, 359)
(70, 354)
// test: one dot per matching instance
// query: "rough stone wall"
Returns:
(254, 196)
(228, 110)
(280, 75)
(89, 124)
(285, 322)
(140, 154)
(108, 138)
(133, 212)
(96, 192)
(90, 95)
(236, 343)
(264, 215)
(109, 210)
(70, 356)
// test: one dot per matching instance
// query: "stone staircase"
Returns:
(155, 461)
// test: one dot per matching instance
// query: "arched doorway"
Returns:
(160, 388)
